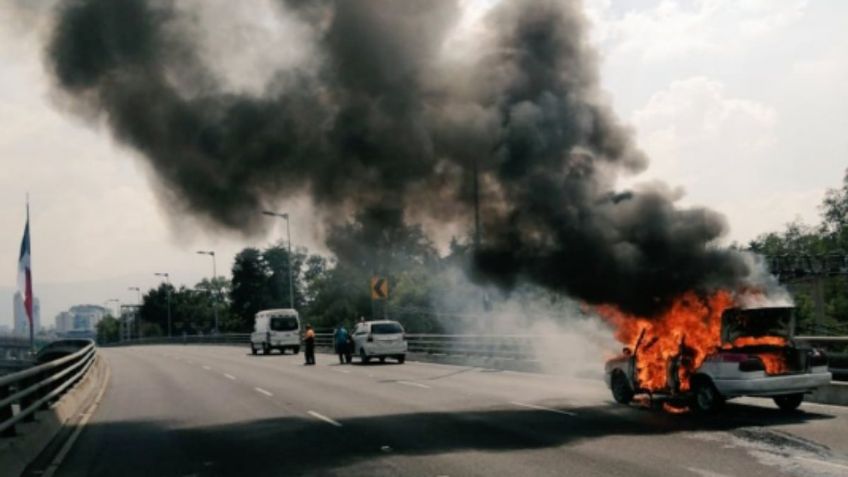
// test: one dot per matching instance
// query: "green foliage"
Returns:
(108, 330)
(828, 237)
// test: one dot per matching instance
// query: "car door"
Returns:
(359, 336)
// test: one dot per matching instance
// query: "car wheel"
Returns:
(252, 349)
(401, 359)
(266, 349)
(296, 350)
(621, 391)
(706, 399)
(363, 356)
(789, 402)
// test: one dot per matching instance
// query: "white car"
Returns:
(276, 329)
(379, 339)
(735, 369)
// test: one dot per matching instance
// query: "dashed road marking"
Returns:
(543, 408)
(260, 390)
(324, 418)
(229, 376)
(411, 383)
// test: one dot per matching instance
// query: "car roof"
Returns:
(380, 322)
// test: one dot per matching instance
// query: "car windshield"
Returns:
(386, 328)
(756, 322)
(283, 323)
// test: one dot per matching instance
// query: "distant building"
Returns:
(21, 326)
(80, 320)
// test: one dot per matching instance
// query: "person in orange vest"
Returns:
(309, 344)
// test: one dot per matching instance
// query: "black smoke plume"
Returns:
(387, 120)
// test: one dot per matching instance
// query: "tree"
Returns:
(108, 330)
(249, 288)
(276, 258)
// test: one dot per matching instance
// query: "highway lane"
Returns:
(216, 410)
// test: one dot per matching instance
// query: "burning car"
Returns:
(754, 354)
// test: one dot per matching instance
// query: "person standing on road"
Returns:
(340, 341)
(309, 344)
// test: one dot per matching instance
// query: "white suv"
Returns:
(379, 339)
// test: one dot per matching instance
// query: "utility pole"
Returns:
(288, 233)
(168, 281)
(212, 286)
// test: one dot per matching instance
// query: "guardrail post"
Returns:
(27, 401)
(6, 412)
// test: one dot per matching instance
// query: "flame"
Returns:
(683, 336)
(667, 407)
(774, 362)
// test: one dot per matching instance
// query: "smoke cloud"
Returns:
(384, 117)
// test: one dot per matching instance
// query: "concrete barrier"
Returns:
(17, 452)
(835, 393)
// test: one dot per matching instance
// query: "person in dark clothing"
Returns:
(341, 337)
(309, 345)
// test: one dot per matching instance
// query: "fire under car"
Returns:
(757, 356)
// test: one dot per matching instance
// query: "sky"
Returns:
(741, 104)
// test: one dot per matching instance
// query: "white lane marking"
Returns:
(410, 383)
(60, 457)
(207, 368)
(341, 371)
(229, 376)
(260, 390)
(542, 408)
(324, 418)
(821, 462)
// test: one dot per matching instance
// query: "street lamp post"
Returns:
(212, 284)
(168, 281)
(137, 310)
(288, 233)
(112, 300)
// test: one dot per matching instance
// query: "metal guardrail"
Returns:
(517, 347)
(33, 388)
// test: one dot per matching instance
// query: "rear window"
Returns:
(386, 328)
(756, 322)
(283, 323)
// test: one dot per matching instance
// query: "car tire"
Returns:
(253, 349)
(296, 350)
(266, 349)
(621, 390)
(706, 398)
(364, 357)
(401, 359)
(789, 402)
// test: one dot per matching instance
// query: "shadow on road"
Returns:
(293, 445)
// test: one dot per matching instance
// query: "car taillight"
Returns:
(370, 339)
(752, 363)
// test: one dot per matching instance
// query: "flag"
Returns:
(25, 273)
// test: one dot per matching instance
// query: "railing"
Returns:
(34, 388)
(517, 347)
(837, 352)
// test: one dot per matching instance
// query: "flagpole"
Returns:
(31, 318)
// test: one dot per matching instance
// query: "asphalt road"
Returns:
(210, 410)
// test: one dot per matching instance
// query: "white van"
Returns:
(276, 329)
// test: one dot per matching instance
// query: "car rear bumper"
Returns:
(772, 385)
(386, 350)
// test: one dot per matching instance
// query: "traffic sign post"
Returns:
(379, 288)
(379, 293)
